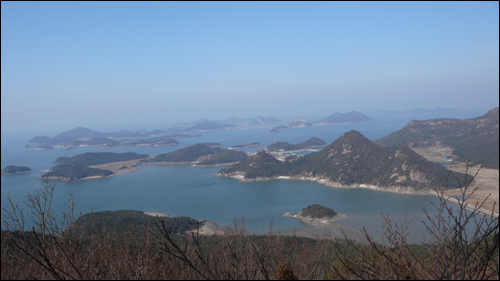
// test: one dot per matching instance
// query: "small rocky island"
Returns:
(315, 213)
(12, 170)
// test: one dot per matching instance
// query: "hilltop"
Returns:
(311, 143)
(342, 118)
(351, 160)
(475, 139)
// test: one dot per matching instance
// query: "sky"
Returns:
(133, 65)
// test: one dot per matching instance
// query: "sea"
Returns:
(183, 190)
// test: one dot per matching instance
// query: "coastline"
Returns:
(327, 182)
(394, 189)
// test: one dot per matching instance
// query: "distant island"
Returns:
(244, 145)
(205, 125)
(12, 170)
(308, 144)
(86, 137)
(259, 120)
(315, 213)
(335, 118)
(296, 123)
(344, 118)
(352, 160)
(475, 139)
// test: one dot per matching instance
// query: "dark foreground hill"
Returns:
(125, 220)
(351, 160)
(475, 139)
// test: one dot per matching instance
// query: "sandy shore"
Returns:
(208, 228)
(154, 214)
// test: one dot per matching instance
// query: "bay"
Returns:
(182, 190)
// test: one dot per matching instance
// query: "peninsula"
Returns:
(475, 139)
(350, 161)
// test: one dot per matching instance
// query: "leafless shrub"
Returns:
(54, 248)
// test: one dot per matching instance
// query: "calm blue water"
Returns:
(182, 190)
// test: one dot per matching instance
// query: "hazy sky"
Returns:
(131, 65)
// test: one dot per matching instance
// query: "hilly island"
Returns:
(475, 139)
(350, 161)
(308, 144)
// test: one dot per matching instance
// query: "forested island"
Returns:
(202, 154)
(308, 144)
(12, 170)
(71, 172)
(314, 213)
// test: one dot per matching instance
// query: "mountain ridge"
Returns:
(475, 139)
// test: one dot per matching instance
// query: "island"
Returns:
(344, 118)
(82, 136)
(308, 144)
(71, 172)
(202, 154)
(296, 123)
(315, 213)
(260, 120)
(351, 161)
(97, 158)
(12, 170)
(244, 145)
